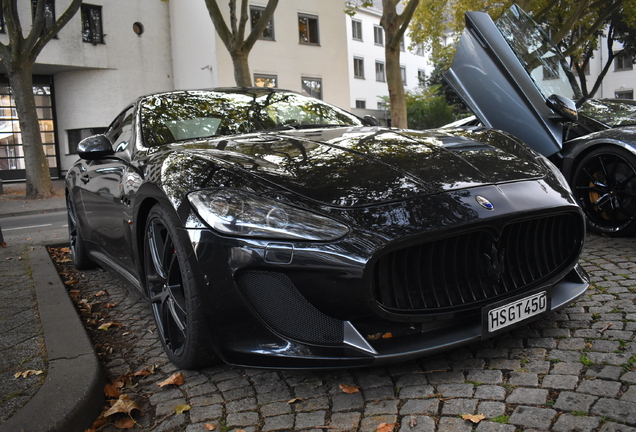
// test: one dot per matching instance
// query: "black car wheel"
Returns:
(81, 259)
(174, 295)
(605, 187)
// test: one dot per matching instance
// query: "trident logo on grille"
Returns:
(494, 264)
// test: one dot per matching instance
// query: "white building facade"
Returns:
(367, 70)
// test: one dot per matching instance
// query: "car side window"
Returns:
(120, 131)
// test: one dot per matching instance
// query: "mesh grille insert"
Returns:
(286, 311)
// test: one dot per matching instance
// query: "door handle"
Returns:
(85, 179)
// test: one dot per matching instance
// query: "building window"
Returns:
(361, 104)
(262, 80)
(356, 30)
(624, 94)
(421, 78)
(76, 135)
(312, 87)
(623, 62)
(358, 67)
(92, 24)
(308, 29)
(256, 13)
(419, 49)
(379, 72)
(402, 44)
(378, 35)
(49, 13)
(403, 73)
(12, 159)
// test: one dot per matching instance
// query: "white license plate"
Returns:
(517, 311)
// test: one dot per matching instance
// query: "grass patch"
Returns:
(501, 419)
(579, 413)
(586, 361)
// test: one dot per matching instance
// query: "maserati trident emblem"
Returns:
(484, 202)
(494, 264)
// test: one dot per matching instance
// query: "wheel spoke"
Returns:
(156, 246)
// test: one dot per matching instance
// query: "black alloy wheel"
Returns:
(81, 259)
(173, 293)
(604, 185)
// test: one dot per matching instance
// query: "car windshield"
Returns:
(540, 57)
(612, 112)
(179, 116)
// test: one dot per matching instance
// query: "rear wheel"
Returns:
(604, 185)
(81, 259)
(174, 295)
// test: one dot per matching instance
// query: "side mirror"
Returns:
(371, 120)
(95, 147)
(564, 107)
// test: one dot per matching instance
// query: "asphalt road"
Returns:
(35, 229)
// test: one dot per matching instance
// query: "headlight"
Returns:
(239, 213)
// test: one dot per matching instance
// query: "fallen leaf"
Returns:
(413, 421)
(123, 405)
(125, 333)
(385, 427)
(74, 294)
(28, 373)
(176, 379)
(148, 370)
(349, 388)
(64, 250)
(8, 258)
(112, 391)
(180, 409)
(108, 325)
(387, 336)
(294, 400)
(101, 293)
(209, 426)
(71, 282)
(125, 423)
(374, 336)
(474, 418)
(109, 305)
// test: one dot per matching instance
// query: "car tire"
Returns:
(604, 184)
(174, 295)
(81, 259)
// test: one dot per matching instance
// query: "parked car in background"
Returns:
(271, 229)
(514, 78)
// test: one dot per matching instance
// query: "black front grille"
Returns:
(455, 272)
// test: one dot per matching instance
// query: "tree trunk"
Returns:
(396, 87)
(242, 74)
(38, 177)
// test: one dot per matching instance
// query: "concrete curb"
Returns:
(71, 397)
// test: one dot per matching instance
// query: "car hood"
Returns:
(505, 71)
(364, 166)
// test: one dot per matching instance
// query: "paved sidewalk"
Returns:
(41, 337)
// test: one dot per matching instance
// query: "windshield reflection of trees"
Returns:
(168, 117)
(612, 113)
(541, 59)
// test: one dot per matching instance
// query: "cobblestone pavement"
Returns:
(572, 371)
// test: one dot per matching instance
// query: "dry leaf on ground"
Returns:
(474, 418)
(349, 388)
(180, 409)
(108, 325)
(123, 405)
(28, 373)
(385, 427)
(176, 379)
(209, 426)
(125, 423)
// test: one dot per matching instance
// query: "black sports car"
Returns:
(271, 229)
(515, 79)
